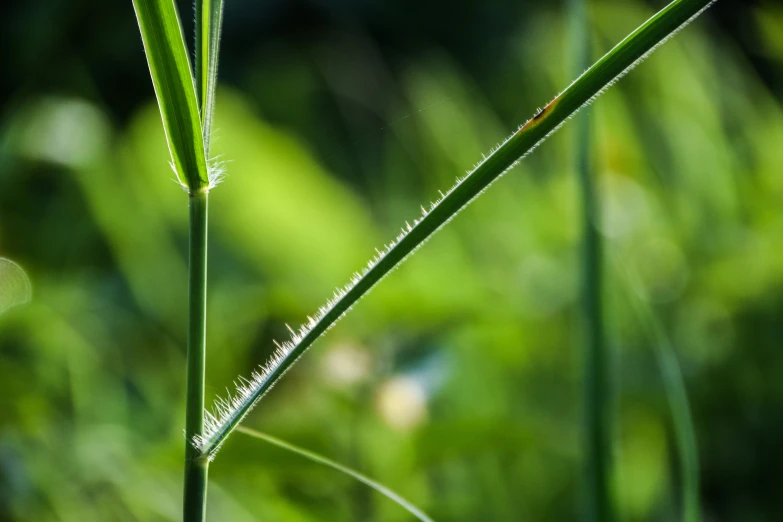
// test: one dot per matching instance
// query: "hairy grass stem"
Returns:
(230, 411)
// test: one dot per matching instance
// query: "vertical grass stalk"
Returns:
(597, 491)
(196, 464)
(186, 101)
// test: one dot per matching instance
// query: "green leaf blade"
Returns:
(676, 393)
(172, 79)
(208, 49)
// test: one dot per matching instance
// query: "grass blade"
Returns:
(172, 79)
(676, 395)
(632, 50)
(210, 15)
(380, 488)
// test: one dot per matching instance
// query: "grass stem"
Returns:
(196, 465)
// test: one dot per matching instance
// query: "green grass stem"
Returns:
(196, 465)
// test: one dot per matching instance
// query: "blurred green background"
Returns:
(456, 382)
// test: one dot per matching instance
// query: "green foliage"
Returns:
(170, 69)
(686, 162)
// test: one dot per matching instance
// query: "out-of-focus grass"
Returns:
(466, 403)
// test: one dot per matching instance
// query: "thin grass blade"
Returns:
(676, 395)
(172, 79)
(230, 411)
(208, 34)
(320, 459)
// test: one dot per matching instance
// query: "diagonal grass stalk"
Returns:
(315, 457)
(597, 445)
(632, 50)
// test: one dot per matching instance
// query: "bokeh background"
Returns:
(457, 382)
